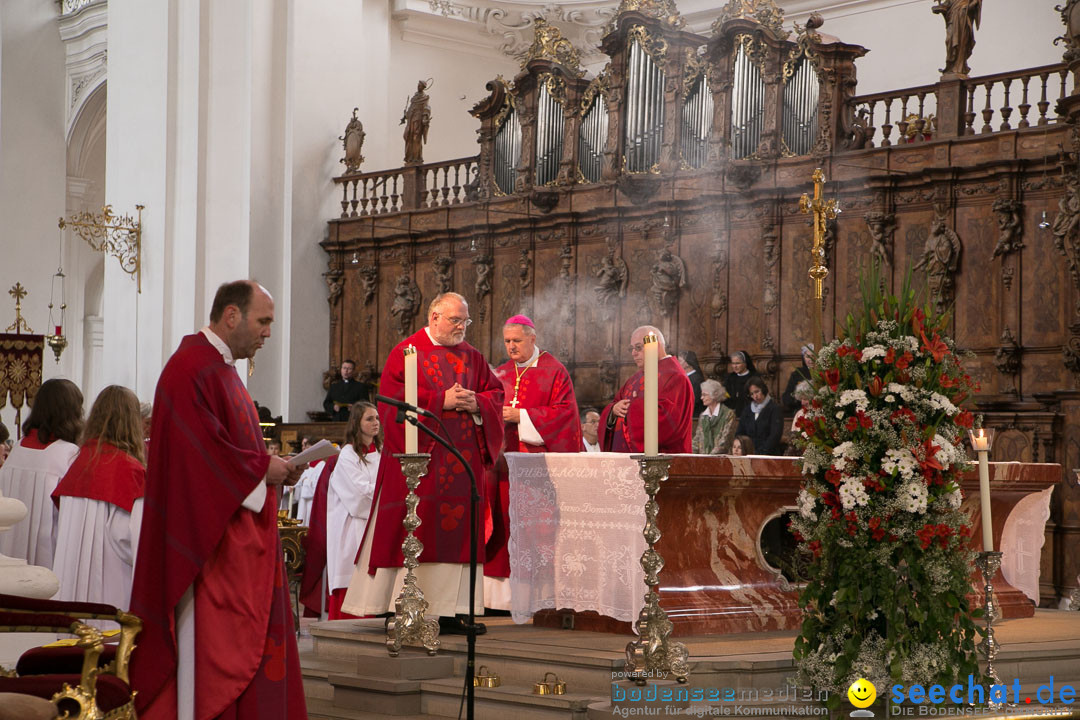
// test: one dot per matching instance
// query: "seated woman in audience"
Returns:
(716, 426)
(348, 500)
(762, 420)
(100, 500)
(4, 447)
(742, 445)
(36, 464)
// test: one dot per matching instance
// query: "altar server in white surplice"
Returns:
(35, 466)
(305, 491)
(348, 500)
(100, 500)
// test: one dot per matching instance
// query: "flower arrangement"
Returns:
(879, 509)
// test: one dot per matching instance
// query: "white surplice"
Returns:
(305, 490)
(348, 506)
(95, 550)
(30, 476)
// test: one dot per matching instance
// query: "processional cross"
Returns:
(18, 292)
(822, 212)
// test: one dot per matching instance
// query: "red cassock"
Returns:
(312, 588)
(547, 393)
(675, 413)
(444, 490)
(207, 457)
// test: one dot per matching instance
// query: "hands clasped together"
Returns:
(460, 398)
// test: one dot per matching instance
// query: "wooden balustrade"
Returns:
(408, 188)
(912, 112)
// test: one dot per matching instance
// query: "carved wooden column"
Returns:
(486, 111)
(838, 84)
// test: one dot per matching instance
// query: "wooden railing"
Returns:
(912, 112)
(413, 187)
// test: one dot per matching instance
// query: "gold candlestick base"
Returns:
(988, 564)
(408, 625)
(653, 654)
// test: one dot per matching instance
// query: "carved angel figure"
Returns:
(406, 303)
(881, 226)
(483, 276)
(335, 285)
(444, 272)
(353, 142)
(668, 277)
(613, 277)
(1010, 237)
(940, 258)
(369, 280)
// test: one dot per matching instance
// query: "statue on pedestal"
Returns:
(961, 19)
(417, 120)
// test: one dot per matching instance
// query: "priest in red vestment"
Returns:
(209, 584)
(622, 423)
(541, 415)
(455, 383)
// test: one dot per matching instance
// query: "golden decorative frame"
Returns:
(116, 235)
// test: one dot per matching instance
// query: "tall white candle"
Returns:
(410, 397)
(980, 442)
(651, 348)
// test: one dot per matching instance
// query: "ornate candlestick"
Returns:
(652, 653)
(408, 624)
(988, 564)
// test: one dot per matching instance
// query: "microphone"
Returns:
(404, 406)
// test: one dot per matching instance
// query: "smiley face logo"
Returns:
(862, 693)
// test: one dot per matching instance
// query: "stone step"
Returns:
(443, 698)
(389, 696)
(323, 710)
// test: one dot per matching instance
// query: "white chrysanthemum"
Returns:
(913, 495)
(900, 460)
(854, 396)
(874, 351)
(903, 391)
(890, 398)
(853, 493)
(807, 503)
(940, 402)
(910, 343)
(948, 454)
(955, 498)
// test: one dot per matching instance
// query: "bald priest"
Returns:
(622, 423)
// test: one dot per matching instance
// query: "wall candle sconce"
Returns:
(119, 236)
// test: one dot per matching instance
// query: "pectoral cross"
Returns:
(514, 402)
(822, 211)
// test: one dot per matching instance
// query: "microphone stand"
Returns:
(474, 501)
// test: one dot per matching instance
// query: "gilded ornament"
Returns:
(598, 87)
(655, 47)
(116, 235)
(663, 10)
(763, 12)
(549, 44)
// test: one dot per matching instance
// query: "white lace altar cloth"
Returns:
(575, 534)
(1022, 540)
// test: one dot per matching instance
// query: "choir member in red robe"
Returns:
(541, 415)
(209, 584)
(622, 424)
(455, 383)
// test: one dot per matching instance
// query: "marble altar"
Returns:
(712, 511)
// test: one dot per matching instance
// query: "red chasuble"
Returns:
(444, 490)
(103, 472)
(207, 457)
(312, 588)
(676, 413)
(546, 391)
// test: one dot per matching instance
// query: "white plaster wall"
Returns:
(32, 167)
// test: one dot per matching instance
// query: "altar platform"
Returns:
(349, 676)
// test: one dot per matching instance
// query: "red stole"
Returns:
(547, 392)
(207, 457)
(444, 490)
(312, 591)
(675, 413)
(32, 441)
(103, 472)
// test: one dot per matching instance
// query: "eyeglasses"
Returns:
(637, 348)
(458, 322)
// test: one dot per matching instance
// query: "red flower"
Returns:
(875, 386)
(833, 476)
(815, 547)
(947, 382)
(852, 424)
(865, 420)
(890, 356)
(917, 320)
(857, 353)
(965, 419)
(935, 347)
(832, 377)
(904, 360)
